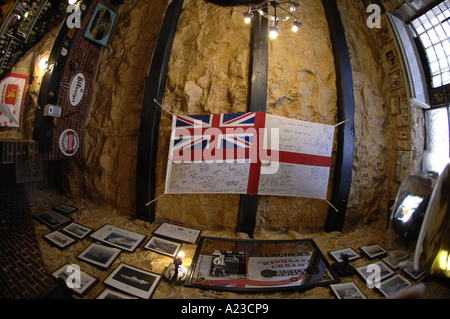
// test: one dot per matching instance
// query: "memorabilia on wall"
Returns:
(59, 240)
(373, 251)
(66, 209)
(118, 237)
(404, 111)
(12, 90)
(256, 265)
(178, 233)
(347, 290)
(134, 281)
(392, 59)
(99, 255)
(385, 36)
(76, 230)
(394, 105)
(100, 26)
(402, 165)
(395, 79)
(83, 286)
(393, 285)
(349, 252)
(163, 246)
(403, 134)
(52, 219)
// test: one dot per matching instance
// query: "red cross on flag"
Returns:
(12, 90)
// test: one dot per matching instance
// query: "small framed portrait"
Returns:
(403, 134)
(78, 281)
(394, 105)
(163, 246)
(65, 209)
(99, 255)
(338, 254)
(375, 271)
(392, 59)
(53, 219)
(393, 285)
(373, 251)
(347, 290)
(395, 79)
(76, 230)
(59, 240)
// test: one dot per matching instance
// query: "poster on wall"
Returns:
(256, 265)
(249, 153)
(100, 26)
(12, 90)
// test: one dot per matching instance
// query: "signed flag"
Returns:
(12, 89)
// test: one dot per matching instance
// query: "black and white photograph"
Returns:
(413, 274)
(58, 239)
(178, 233)
(373, 251)
(78, 281)
(99, 255)
(134, 281)
(396, 259)
(228, 263)
(393, 286)
(118, 237)
(77, 230)
(347, 290)
(163, 246)
(52, 219)
(377, 271)
(111, 294)
(65, 209)
(338, 255)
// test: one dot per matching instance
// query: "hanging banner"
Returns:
(12, 90)
(249, 153)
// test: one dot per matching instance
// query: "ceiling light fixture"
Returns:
(276, 11)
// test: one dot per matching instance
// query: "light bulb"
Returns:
(72, 1)
(248, 17)
(273, 32)
(43, 63)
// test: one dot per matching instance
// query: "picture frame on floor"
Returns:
(347, 290)
(393, 285)
(133, 281)
(65, 209)
(163, 246)
(53, 219)
(76, 230)
(339, 253)
(99, 255)
(376, 271)
(58, 239)
(112, 294)
(178, 233)
(78, 281)
(118, 237)
(373, 251)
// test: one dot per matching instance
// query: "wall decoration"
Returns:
(12, 92)
(58, 239)
(394, 285)
(347, 290)
(394, 105)
(257, 265)
(86, 281)
(100, 26)
(385, 36)
(178, 233)
(402, 165)
(229, 153)
(52, 219)
(134, 281)
(395, 79)
(99, 255)
(404, 111)
(118, 237)
(392, 59)
(76, 230)
(163, 246)
(403, 134)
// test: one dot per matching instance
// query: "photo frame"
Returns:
(65, 209)
(53, 219)
(391, 58)
(163, 246)
(394, 105)
(350, 252)
(118, 237)
(100, 25)
(373, 251)
(99, 255)
(411, 273)
(87, 281)
(395, 258)
(365, 271)
(404, 112)
(395, 79)
(402, 165)
(133, 281)
(259, 265)
(385, 36)
(58, 239)
(112, 294)
(177, 233)
(76, 230)
(403, 134)
(393, 285)
(347, 290)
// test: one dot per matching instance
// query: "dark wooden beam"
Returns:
(346, 109)
(259, 62)
(151, 114)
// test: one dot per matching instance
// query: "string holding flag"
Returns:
(163, 108)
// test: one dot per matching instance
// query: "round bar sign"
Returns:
(76, 90)
(69, 142)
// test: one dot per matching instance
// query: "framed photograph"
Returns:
(411, 273)
(111, 294)
(403, 134)
(178, 233)
(350, 252)
(68, 273)
(395, 79)
(118, 237)
(259, 265)
(392, 59)
(59, 240)
(76, 230)
(404, 112)
(373, 251)
(163, 246)
(393, 285)
(53, 219)
(99, 255)
(65, 209)
(394, 105)
(385, 36)
(100, 25)
(347, 290)
(395, 258)
(133, 281)
(367, 270)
